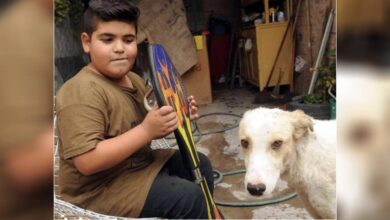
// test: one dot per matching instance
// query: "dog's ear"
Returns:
(302, 124)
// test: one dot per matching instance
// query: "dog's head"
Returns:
(268, 138)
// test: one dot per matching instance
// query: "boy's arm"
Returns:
(29, 165)
(110, 152)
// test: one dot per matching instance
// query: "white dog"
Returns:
(295, 147)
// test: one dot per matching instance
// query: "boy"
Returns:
(106, 163)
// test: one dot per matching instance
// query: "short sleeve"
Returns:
(81, 122)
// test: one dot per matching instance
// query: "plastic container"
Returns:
(280, 16)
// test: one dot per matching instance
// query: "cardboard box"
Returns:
(197, 79)
(165, 22)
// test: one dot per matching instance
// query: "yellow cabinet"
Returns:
(259, 46)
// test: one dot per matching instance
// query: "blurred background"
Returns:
(363, 109)
(26, 85)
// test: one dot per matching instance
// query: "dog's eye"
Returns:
(276, 144)
(361, 134)
(244, 143)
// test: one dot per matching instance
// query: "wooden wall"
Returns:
(311, 23)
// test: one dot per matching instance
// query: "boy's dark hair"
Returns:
(109, 10)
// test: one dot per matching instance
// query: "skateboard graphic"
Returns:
(169, 90)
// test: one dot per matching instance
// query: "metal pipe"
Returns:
(322, 51)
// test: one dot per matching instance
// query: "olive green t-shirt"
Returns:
(91, 108)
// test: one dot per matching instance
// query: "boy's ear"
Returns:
(302, 124)
(85, 40)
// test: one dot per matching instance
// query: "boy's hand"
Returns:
(160, 122)
(193, 108)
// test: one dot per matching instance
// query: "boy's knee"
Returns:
(193, 194)
(204, 161)
(193, 203)
(206, 168)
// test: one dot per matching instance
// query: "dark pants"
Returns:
(173, 194)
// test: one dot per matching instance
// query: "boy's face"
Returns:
(112, 48)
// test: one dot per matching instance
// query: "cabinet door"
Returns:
(249, 59)
(269, 40)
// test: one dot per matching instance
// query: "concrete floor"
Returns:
(224, 152)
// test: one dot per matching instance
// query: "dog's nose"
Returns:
(256, 189)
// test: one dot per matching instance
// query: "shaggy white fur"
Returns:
(295, 147)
